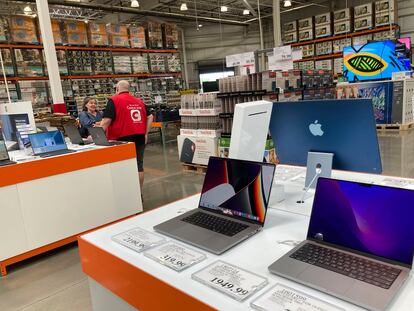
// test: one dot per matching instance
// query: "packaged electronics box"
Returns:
(196, 150)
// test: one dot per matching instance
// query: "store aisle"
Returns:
(56, 282)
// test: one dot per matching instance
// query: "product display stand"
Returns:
(319, 164)
(122, 279)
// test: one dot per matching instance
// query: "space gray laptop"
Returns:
(232, 206)
(74, 135)
(99, 137)
(360, 243)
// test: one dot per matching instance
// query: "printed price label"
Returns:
(175, 256)
(138, 239)
(280, 298)
(230, 280)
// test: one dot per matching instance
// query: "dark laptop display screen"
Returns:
(372, 219)
(47, 142)
(239, 188)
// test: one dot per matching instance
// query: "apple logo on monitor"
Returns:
(316, 128)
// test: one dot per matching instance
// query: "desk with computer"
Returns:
(360, 239)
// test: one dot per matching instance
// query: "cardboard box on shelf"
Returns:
(76, 38)
(98, 39)
(137, 37)
(322, 19)
(196, 150)
(22, 22)
(154, 35)
(170, 35)
(291, 26)
(97, 28)
(118, 30)
(75, 27)
(24, 36)
(363, 10)
(4, 31)
(120, 41)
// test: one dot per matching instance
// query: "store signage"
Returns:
(243, 59)
(175, 256)
(138, 239)
(230, 280)
(281, 297)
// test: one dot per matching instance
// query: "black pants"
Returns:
(139, 141)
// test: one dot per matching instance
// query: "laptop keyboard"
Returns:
(214, 223)
(353, 266)
(55, 153)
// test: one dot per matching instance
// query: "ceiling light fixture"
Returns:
(223, 8)
(183, 7)
(86, 21)
(200, 25)
(246, 12)
(27, 10)
(134, 4)
(287, 3)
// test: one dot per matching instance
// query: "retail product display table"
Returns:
(46, 202)
(122, 279)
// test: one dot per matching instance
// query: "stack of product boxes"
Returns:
(364, 17)
(56, 31)
(174, 62)
(290, 32)
(343, 21)
(170, 36)
(154, 35)
(323, 25)
(200, 128)
(61, 58)
(122, 63)
(140, 63)
(101, 62)
(385, 12)
(97, 34)
(23, 29)
(137, 37)
(118, 35)
(157, 62)
(7, 62)
(76, 33)
(79, 62)
(306, 27)
(29, 62)
(4, 30)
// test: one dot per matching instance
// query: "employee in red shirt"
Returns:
(126, 118)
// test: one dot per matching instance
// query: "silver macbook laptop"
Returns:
(359, 245)
(232, 206)
(99, 137)
(49, 144)
(74, 135)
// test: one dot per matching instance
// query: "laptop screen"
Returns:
(372, 219)
(47, 142)
(237, 188)
(3, 149)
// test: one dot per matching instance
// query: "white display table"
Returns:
(45, 203)
(121, 279)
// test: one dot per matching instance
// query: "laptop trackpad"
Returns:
(331, 281)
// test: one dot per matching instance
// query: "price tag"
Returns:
(175, 256)
(280, 298)
(138, 239)
(232, 281)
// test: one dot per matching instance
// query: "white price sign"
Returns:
(281, 298)
(138, 239)
(233, 281)
(283, 53)
(242, 59)
(175, 256)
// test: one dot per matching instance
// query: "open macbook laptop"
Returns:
(232, 206)
(99, 137)
(359, 245)
(4, 155)
(74, 135)
(49, 144)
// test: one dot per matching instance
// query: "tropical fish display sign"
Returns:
(373, 61)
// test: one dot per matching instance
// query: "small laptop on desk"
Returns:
(232, 206)
(359, 245)
(49, 144)
(4, 155)
(99, 137)
(74, 135)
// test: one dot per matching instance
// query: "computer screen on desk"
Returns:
(345, 128)
(47, 142)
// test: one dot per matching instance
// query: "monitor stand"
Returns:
(319, 164)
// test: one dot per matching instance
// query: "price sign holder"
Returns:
(138, 239)
(281, 297)
(230, 280)
(175, 256)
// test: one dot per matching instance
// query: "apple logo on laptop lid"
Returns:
(316, 128)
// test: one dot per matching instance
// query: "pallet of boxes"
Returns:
(200, 129)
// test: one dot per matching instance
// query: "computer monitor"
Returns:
(345, 128)
(47, 142)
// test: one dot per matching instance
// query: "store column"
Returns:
(50, 55)
(276, 23)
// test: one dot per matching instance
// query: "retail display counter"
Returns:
(46, 202)
(122, 279)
